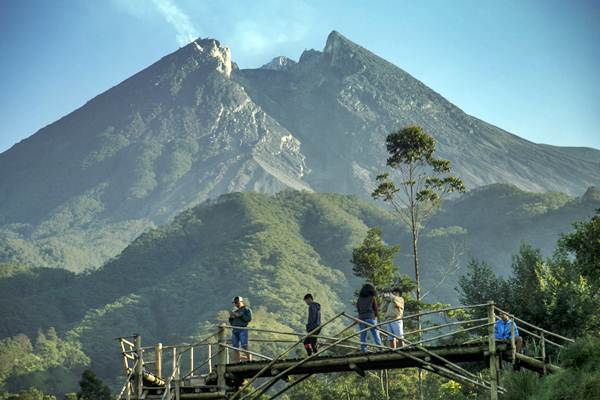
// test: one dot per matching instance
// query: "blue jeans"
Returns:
(363, 334)
(239, 338)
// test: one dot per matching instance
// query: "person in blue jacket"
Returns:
(502, 330)
(240, 317)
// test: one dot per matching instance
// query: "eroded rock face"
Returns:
(212, 52)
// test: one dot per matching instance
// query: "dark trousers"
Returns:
(310, 344)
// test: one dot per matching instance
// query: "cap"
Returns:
(238, 298)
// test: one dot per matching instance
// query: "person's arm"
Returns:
(311, 318)
(318, 315)
(386, 301)
(246, 315)
(516, 329)
(497, 332)
(375, 307)
(400, 305)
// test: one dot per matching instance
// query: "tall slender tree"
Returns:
(423, 180)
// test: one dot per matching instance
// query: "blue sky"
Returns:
(530, 67)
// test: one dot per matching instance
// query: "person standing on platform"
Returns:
(394, 311)
(367, 308)
(313, 322)
(239, 318)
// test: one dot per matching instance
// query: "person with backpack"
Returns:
(367, 308)
(313, 322)
(239, 318)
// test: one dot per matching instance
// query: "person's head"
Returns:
(505, 317)
(238, 301)
(367, 290)
(308, 298)
(396, 291)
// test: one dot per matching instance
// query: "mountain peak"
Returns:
(335, 39)
(342, 52)
(280, 63)
(592, 194)
(211, 52)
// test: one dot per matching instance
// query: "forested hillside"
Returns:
(172, 283)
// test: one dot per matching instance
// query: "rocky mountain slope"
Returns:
(169, 137)
(192, 126)
(341, 103)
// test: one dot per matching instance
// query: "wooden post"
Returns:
(174, 362)
(543, 350)
(209, 349)
(492, 351)
(158, 359)
(139, 368)
(222, 359)
(176, 372)
(513, 342)
(191, 361)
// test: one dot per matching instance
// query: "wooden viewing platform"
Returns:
(212, 375)
(366, 361)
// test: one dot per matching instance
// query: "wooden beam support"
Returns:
(357, 369)
(222, 359)
(158, 359)
(139, 367)
(493, 355)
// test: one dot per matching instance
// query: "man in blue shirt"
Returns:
(502, 330)
(240, 317)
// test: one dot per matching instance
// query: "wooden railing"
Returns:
(203, 364)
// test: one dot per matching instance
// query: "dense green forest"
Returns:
(173, 283)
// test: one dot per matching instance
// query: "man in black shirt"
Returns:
(314, 321)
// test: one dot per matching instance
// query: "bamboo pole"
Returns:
(513, 346)
(176, 366)
(436, 327)
(209, 356)
(191, 373)
(560, 346)
(158, 359)
(202, 365)
(543, 352)
(139, 368)
(537, 363)
(248, 351)
(492, 351)
(222, 359)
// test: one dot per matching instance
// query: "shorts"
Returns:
(396, 328)
(239, 338)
